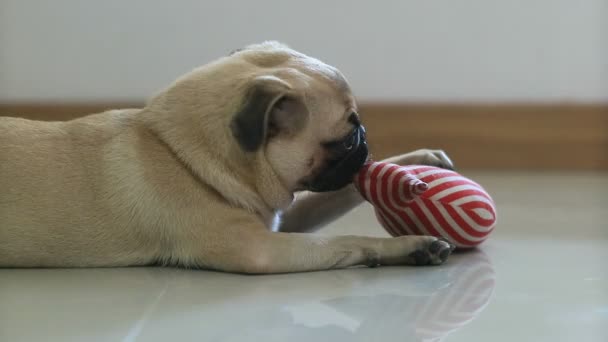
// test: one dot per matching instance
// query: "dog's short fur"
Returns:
(198, 176)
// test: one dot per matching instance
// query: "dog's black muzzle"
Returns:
(348, 156)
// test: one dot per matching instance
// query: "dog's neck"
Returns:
(270, 187)
(259, 188)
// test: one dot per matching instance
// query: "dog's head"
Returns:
(301, 113)
(269, 105)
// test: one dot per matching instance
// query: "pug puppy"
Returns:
(203, 176)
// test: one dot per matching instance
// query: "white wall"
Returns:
(442, 50)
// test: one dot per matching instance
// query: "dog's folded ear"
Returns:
(270, 108)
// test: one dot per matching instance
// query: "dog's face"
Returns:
(300, 114)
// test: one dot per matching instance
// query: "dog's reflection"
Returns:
(427, 309)
(427, 315)
(154, 304)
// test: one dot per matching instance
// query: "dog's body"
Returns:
(198, 177)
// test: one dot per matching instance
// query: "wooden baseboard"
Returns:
(477, 136)
(500, 136)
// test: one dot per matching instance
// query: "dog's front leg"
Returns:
(312, 211)
(260, 252)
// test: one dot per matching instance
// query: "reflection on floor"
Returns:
(542, 276)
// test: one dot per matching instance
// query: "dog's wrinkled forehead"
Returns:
(271, 54)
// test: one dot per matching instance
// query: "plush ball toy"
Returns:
(426, 200)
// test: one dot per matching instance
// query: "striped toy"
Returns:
(426, 200)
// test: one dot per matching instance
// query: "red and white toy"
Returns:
(426, 200)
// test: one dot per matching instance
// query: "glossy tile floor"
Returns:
(542, 276)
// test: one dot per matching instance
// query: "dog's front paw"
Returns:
(436, 158)
(434, 252)
(428, 157)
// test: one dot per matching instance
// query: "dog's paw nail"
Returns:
(452, 245)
